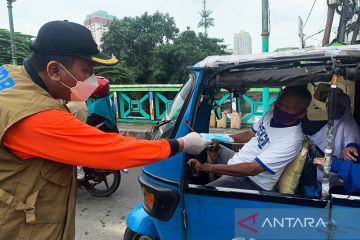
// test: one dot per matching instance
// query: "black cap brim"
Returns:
(102, 59)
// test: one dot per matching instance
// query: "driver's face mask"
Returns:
(283, 117)
(83, 89)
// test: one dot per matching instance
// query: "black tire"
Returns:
(95, 177)
(131, 235)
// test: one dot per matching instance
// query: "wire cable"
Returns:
(312, 7)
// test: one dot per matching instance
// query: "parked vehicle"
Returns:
(178, 206)
(101, 183)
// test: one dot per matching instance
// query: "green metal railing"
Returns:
(149, 103)
(143, 103)
(257, 108)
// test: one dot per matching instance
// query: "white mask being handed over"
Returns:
(82, 90)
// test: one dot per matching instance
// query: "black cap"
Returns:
(65, 38)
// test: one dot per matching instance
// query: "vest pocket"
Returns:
(56, 189)
(52, 203)
(60, 174)
(49, 224)
(57, 180)
(50, 213)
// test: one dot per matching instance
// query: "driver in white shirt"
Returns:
(273, 142)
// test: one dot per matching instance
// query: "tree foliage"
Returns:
(171, 61)
(117, 74)
(150, 48)
(154, 51)
(22, 42)
(133, 39)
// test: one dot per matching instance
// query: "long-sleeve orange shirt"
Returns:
(58, 136)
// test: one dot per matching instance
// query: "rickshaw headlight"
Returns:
(159, 202)
(149, 199)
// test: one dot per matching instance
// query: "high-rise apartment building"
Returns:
(98, 23)
(242, 43)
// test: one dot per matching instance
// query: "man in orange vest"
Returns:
(41, 141)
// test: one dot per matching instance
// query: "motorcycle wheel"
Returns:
(97, 184)
(131, 235)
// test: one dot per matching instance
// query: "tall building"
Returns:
(98, 23)
(242, 43)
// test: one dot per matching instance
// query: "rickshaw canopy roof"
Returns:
(284, 68)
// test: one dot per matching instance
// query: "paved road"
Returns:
(105, 218)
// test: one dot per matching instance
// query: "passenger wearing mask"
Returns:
(346, 131)
(274, 141)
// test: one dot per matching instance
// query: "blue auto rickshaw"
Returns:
(177, 205)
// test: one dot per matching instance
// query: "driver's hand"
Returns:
(214, 146)
(215, 143)
(211, 156)
(350, 153)
(198, 167)
(195, 164)
(194, 167)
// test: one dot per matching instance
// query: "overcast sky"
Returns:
(230, 16)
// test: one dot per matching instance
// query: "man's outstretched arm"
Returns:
(58, 136)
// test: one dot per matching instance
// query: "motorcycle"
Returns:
(98, 182)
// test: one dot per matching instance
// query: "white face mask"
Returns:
(82, 90)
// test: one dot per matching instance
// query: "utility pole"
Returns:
(12, 37)
(265, 26)
(301, 32)
(332, 5)
(204, 16)
(265, 48)
(206, 21)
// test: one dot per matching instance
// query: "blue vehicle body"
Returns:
(189, 210)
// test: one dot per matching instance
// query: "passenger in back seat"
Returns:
(347, 169)
(346, 131)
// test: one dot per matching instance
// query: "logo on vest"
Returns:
(5, 80)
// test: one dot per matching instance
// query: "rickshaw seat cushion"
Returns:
(290, 177)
